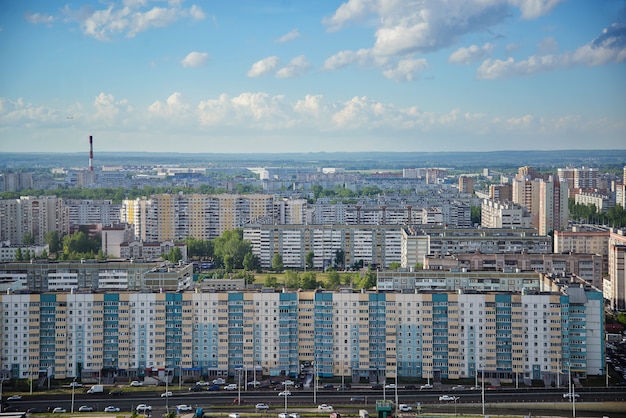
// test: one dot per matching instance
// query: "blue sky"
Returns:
(309, 76)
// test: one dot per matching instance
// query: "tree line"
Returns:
(614, 217)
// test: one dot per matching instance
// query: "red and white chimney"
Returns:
(90, 153)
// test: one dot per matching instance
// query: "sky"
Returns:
(312, 76)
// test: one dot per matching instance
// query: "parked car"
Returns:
(569, 395)
(214, 387)
(325, 407)
(59, 410)
(34, 411)
(136, 383)
(284, 393)
(219, 381)
(426, 386)
(85, 408)
(195, 388)
(391, 386)
(260, 406)
(232, 386)
(111, 408)
(14, 398)
(202, 383)
(448, 398)
(404, 408)
(143, 408)
(184, 408)
(167, 394)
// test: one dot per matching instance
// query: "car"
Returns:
(426, 386)
(195, 388)
(167, 394)
(254, 383)
(376, 386)
(294, 415)
(234, 415)
(284, 393)
(232, 386)
(219, 381)
(344, 387)
(14, 398)
(569, 395)
(184, 408)
(391, 386)
(202, 383)
(288, 383)
(13, 409)
(214, 387)
(328, 386)
(448, 398)
(76, 385)
(357, 399)
(325, 407)
(260, 406)
(143, 408)
(136, 383)
(59, 410)
(34, 411)
(85, 408)
(111, 408)
(404, 408)
(458, 387)
(116, 392)
(283, 415)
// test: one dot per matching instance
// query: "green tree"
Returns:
(198, 248)
(334, 280)
(309, 281)
(28, 239)
(270, 281)
(395, 266)
(79, 245)
(174, 255)
(251, 262)
(277, 262)
(475, 214)
(292, 279)
(18, 255)
(27, 255)
(340, 259)
(367, 281)
(310, 259)
(53, 240)
(419, 266)
(230, 249)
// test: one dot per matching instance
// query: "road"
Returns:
(224, 401)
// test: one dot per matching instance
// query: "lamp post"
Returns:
(73, 389)
(483, 389)
(571, 390)
(167, 398)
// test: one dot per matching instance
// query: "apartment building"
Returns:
(615, 285)
(545, 199)
(365, 336)
(504, 214)
(33, 217)
(602, 202)
(88, 211)
(419, 242)
(372, 244)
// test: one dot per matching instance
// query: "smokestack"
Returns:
(90, 153)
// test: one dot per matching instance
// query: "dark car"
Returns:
(116, 392)
(13, 409)
(195, 388)
(377, 386)
(34, 411)
(328, 386)
(214, 387)
(343, 387)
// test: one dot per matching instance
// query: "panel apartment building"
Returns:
(364, 336)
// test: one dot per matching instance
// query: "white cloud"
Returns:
(344, 58)
(37, 18)
(195, 59)
(175, 105)
(470, 54)
(350, 10)
(290, 36)
(406, 69)
(297, 66)
(608, 47)
(129, 18)
(532, 9)
(311, 105)
(108, 109)
(264, 66)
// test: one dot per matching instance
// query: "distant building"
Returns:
(17, 181)
(602, 202)
(466, 185)
(504, 214)
(501, 192)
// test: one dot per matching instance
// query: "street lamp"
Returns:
(571, 390)
(483, 388)
(167, 398)
(73, 389)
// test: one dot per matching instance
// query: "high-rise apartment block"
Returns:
(31, 216)
(466, 185)
(17, 181)
(546, 200)
(504, 214)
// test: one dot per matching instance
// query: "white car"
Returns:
(283, 415)
(391, 386)
(143, 408)
(14, 398)
(166, 394)
(136, 383)
(85, 408)
(111, 408)
(569, 395)
(294, 415)
(202, 383)
(234, 415)
(232, 386)
(76, 385)
(325, 407)
(288, 383)
(448, 398)
(404, 407)
(254, 383)
(219, 381)
(59, 410)
(284, 393)
(426, 386)
(184, 408)
(260, 406)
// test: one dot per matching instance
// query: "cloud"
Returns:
(37, 18)
(406, 69)
(532, 9)
(195, 59)
(290, 36)
(129, 18)
(347, 57)
(264, 66)
(470, 54)
(175, 105)
(297, 66)
(108, 109)
(609, 47)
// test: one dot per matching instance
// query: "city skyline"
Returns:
(286, 76)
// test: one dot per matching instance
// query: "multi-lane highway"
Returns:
(224, 401)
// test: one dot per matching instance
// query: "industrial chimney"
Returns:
(90, 153)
